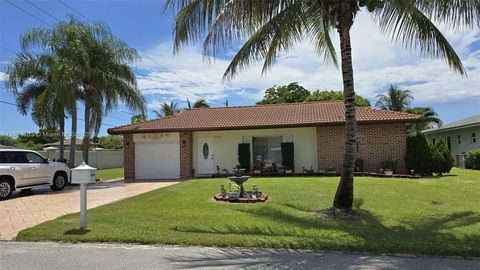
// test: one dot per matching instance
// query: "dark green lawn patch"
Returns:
(430, 216)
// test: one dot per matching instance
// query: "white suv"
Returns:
(25, 169)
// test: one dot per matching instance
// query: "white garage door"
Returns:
(157, 160)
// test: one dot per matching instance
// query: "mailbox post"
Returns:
(83, 175)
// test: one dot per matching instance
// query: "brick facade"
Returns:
(186, 155)
(375, 143)
(129, 157)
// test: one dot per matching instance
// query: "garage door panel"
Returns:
(157, 160)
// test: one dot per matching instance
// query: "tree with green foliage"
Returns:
(290, 93)
(97, 65)
(107, 78)
(168, 109)
(442, 160)
(33, 73)
(138, 118)
(418, 156)
(7, 140)
(326, 95)
(437, 160)
(396, 99)
(43, 136)
(472, 161)
(273, 27)
(110, 142)
(430, 119)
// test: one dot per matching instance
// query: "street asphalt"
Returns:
(48, 255)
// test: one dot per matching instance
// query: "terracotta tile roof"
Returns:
(263, 116)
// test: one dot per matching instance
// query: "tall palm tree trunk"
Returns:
(86, 136)
(73, 137)
(62, 137)
(344, 195)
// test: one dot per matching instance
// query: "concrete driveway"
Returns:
(27, 209)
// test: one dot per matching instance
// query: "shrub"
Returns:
(442, 160)
(6, 140)
(288, 160)
(418, 157)
(437, 160)
(244, 156)
(389, 164)
(473, 160)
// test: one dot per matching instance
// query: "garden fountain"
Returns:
(239, 179)
(241, 195)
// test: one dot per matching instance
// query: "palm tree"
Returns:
(168, 110)
(396, 99)
(138, 118)
(107, 79)
(199, 103)
(65, 42)
(93, 67)
(272, 27)
(47, 109)
(429, 119)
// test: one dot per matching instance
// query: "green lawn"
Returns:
(434, 216)
(109, 174)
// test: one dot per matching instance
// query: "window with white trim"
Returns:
(474, 137)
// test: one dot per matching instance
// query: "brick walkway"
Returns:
(27, 209)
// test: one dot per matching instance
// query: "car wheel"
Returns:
(6, 189)
(59, 181)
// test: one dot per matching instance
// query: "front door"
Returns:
(205, 156)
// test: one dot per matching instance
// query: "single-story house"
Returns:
(460, 136)
(66, 143)
(201, 142)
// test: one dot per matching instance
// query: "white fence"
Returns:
(100, 159)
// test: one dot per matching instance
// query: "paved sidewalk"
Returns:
(27, 209)
(39, 256)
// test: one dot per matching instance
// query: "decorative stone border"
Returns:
(219, 198)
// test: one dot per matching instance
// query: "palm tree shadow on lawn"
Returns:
(422, 235)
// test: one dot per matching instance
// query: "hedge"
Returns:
(288, 158)
(244, 156)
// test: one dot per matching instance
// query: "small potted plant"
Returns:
(389, 166)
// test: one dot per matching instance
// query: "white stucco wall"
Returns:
(226, 145)
(466, 139)
(157, 137)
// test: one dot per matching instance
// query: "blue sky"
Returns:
(163, 77)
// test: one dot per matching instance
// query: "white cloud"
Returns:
(377, 61)
(3, 76)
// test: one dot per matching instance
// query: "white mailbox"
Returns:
(83, 174)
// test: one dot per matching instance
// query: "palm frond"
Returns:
(274, 37)
(407, 24)
(454, 13)
(200, 103)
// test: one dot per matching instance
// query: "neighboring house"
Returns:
(460, 136)
(78, 143)
(194, 142)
